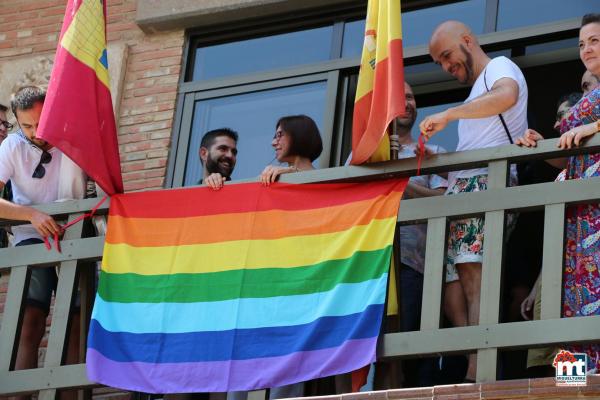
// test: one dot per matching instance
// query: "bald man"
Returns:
(494, 114)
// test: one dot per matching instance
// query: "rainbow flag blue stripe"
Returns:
(287, 286)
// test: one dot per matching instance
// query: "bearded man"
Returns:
(218, 154)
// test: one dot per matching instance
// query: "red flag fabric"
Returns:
(380, 90)
(78, 116)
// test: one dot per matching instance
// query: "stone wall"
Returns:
(144, 68)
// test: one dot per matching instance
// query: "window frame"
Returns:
(335, 71)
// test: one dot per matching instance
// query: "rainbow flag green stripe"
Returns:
(309, 287)
(256, 283)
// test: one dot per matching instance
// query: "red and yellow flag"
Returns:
(78, 116)
(380, 91)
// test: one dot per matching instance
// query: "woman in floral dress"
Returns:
(581, 274)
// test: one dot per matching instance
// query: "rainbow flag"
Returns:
(380, 89)
(78, 116)
(246, 288)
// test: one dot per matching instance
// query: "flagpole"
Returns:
(394, 141)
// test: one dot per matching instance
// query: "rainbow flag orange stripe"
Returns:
(203, 292)
(380, 91)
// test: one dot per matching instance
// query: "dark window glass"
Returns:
(418, 25)
(518, 13)
(253, 116)
(551, 46)
(261, 54)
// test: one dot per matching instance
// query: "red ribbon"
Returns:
(71, 223)
(421, 152)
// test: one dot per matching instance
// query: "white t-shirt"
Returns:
(18, 160)
(489, 132)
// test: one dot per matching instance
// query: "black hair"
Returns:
(306, 139)
(26, 97)
(3, 108)
(590, 19)
(209, 137)
(571, 99)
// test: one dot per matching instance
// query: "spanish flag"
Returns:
(380, 91)
(78, 116)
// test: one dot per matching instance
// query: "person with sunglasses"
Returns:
(33, 167)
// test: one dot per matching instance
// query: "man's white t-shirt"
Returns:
(489, 132)
(18, 159)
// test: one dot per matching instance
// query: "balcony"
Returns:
(80, 252)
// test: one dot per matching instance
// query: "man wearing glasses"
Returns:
(5, 126)
(33, 167)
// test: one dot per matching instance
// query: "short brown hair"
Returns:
(306, 139)
(26, 97)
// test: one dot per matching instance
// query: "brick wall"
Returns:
(31, 27)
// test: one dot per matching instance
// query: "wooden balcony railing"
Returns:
(486, 339)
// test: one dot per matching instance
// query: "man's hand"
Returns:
(215, 181)
(434, 123)
(529, 139)
(44, 224)
(529, 303)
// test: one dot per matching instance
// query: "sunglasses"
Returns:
(40, 171)
(6, 124)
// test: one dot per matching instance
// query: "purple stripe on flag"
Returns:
(223, 376)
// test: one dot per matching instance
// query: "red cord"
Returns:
(421, 152)
(69, 224)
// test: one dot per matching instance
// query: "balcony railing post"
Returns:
(59, 329)
(433, 275)
(13, 307)
(491, 274)
(552, 262)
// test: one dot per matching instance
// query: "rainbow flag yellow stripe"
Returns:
(201, 291)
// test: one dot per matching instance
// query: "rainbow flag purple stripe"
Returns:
(202, 292)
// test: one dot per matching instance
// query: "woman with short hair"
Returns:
(297, 143)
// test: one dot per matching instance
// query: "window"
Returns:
(518, 13)
(255, 116)
(261, 54)
(247, 80)
(417, 25)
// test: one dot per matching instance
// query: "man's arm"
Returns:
(43, 223)
(503, 95)
(413, 190)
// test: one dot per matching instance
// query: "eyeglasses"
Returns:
(278, 135)
(6, 124)
(40, 171)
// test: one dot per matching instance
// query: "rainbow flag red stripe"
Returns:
(380, 90)
(203, 292)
